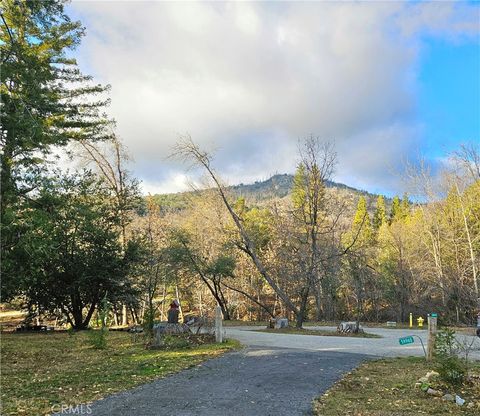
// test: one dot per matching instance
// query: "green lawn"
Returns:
(386, 388)
(318, 332)
(41, 370)
(235, 322)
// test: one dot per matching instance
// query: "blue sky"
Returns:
(449, 95)
(387, 81)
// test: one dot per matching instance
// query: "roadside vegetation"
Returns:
(318, 332)
(43, 370)
(387, 388)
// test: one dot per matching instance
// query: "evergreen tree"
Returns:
(361, 226)
(405, 206)
(46, 100)
(380, 215)
(68, 255)
(46, 103)
(396, 208)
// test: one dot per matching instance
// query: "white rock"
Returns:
(431, 374)
(459, 400)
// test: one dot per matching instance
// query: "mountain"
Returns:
(278, 186)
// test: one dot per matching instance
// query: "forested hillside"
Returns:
(277, 186)
(304, 246)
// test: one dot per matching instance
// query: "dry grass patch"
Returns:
(386, 388)
(318, 332)
(42, 370)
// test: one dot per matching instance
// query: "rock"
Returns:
(431, 374)
(434, 392)
(470, 405)
(459, 400)
(349, 327)
(281, 323)
(448, 397)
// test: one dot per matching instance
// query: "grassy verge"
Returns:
(42, 370)
(318, 332)
(386, 388)
(235, 322)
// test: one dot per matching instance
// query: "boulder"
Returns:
(281, 323)
(349, 327)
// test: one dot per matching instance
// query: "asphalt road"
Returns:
(256, 381)
(275, 374)
(387, 346)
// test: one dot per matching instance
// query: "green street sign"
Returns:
(434, 315)
(406, 340)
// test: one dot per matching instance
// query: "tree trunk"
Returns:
(300, 316)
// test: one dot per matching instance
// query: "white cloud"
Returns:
(251, 78)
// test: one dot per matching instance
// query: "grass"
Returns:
(235, 322)
(386, 388)
(42, 370)
(318, 332)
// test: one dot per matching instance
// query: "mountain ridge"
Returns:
(277, 186)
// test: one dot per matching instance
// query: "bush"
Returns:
(451, 368)
(98, 338)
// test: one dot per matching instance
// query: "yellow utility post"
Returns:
(411, 319)
(420, 321)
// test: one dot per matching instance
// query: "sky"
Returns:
(387, 82)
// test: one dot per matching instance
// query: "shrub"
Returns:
(98, 338)
(451, 368)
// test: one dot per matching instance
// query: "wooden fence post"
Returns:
(432, 333)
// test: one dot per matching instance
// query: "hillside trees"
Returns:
(189, 151)
(300, 228)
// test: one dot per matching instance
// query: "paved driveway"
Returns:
(253, 382)
(387, 346)
(275, 374)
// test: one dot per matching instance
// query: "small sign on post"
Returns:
(411, 340)
(406, 340)
(218, 324)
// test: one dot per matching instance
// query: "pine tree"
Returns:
(380, 215)
(395, 210)
(46, 100)
(361, 233)
(405, 206)
(46, 103)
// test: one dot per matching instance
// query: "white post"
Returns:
(218, 324)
